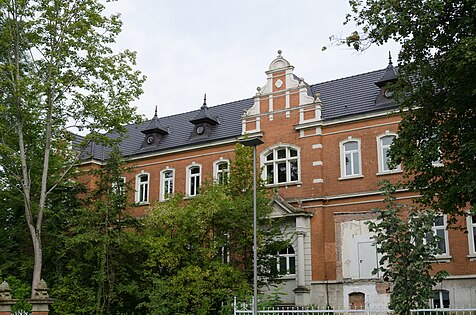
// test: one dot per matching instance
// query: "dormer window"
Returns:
(204, 122)
(153, 132)
(389, 77)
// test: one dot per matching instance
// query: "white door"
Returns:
(367, 260)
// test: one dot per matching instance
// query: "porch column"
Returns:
(300, 259)
(6, 300)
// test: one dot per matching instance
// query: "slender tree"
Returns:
(404, 237)
(57, 71)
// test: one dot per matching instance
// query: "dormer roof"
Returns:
(155, 126)
(389, 76)
(204, 115)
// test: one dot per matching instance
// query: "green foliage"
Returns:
(57, 71)
(407, 245)
(200, 248)
(436, 91)
(102, 251)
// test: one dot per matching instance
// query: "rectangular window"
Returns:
(222, 172)
(472, 233)
(350, 159)
(384, 144)
(167, 184)
(440, 231)
(142, 188)
(193, 180)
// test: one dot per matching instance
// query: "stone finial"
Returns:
(5, 292)
(279, 52)
(41, 291)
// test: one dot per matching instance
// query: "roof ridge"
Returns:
(348, 77)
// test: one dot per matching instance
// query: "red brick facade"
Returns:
(286, 116)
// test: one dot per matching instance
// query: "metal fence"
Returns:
(247, 308)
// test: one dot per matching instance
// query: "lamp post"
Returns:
(254, 142)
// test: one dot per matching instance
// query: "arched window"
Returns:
(167, 185)
(221, 171)
(383, 143)
(194, 173)
(142, 188)
(350, 160)
(281, 165)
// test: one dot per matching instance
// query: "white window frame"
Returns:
(343, 154)
(444, 228)
(382, 158)
(275, 161)
(471, 234)
(163, 194)
(191, 176)
(121, 189)
(441, 299)
(287, 258)
(217, 173)
(144, 198)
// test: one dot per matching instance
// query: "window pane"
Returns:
(282, 264)
(168, 174)
(387, 140)
(385, 159)
(439, 221)
(270, 156)
(270, 174)
(473, 219)
(351, 146)
(348, 166)
(282, 154)
(294, 170)
(292, 265)
(194, 170)
(282, 172)
(292, 152)
(355, 161)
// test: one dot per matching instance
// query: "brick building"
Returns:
(325, 150)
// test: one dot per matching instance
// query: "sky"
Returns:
(222, 48)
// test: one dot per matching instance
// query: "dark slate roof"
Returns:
(350, 96)
(155, 126)
(342, 97)
(204, 115)
(180, 129)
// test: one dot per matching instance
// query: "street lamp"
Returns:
(254, 142)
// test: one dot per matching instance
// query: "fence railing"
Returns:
(247, 308)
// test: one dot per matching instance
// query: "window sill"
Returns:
(138, 204)
(288, 277)
(190, 197)
(443, 258)
(472, 257)
(351, 177)
(389, 172)
(283, 184)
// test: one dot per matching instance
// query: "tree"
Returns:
(102, 250)
(404, 238)
(436, 90)
(201, 248)
(57, 71)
